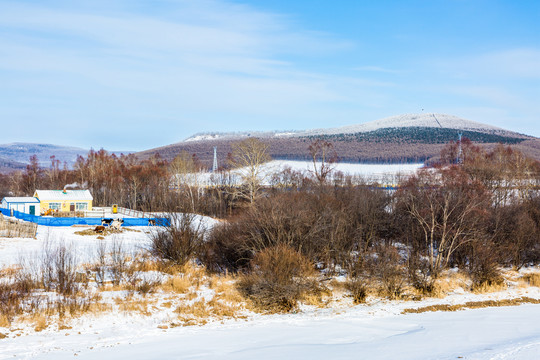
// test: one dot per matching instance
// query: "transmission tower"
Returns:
(214, 166)
(459, 159)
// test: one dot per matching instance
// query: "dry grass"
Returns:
(319, 299)
(130, 304)
(473, 305)
(193, 314)
(143, 263)
(167, 304)
(225, 288)
(442, 286)
(4, 321)
(186, 278)
(200, 312)
(192, 310)
(9, 271)
(532, 279)
(99, 308)
(40, 322)
(177, 284)
(489, 287)
(106, 232)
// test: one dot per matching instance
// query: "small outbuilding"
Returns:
(27, 205)
(64, 200)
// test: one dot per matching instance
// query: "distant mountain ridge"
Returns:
(401, 138)
(21, 153)
(15, 156)
(396, 139)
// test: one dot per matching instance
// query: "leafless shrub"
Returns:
(385, 266)
(100, 264)
(358, 290)
(118, 261)
(225, 248)
(419, 274)
(58, 265)
(483, 268)
(143, 283)
(13, 293)
(179, 242)
(278, 278)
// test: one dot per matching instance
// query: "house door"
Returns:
(71, 207)
(32, 209)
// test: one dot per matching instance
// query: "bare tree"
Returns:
(324, 158)
(249, 156)
(186, 177)
(448, 207)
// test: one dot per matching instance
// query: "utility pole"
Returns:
(215, 166)
(460, 150)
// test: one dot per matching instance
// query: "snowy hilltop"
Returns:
(408, 120)
(423, 120)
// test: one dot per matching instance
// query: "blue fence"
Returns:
(69, 221)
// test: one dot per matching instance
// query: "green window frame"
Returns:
(55, 206)
(81, 206)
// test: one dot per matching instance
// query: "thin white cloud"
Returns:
(377, 69)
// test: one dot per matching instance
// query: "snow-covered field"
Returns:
(381, 173)
(13, 250)
(364, 170)
(132, 239)
(375, 331)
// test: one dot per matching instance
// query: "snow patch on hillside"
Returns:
(240, 135)
(353, 169)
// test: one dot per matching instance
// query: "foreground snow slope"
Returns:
(489, 333)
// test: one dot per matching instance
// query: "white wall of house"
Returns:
(22, 206)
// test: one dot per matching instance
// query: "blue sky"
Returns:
(132, 74)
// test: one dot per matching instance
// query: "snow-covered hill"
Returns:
(422, 120)
(409, 120)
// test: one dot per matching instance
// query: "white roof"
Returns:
(47, 195)
(20, 200)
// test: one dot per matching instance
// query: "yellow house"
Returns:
(64, 200)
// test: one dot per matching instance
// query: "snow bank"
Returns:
(489, 333)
